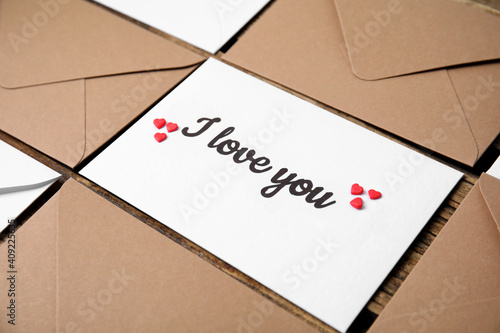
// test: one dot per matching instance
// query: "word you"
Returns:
(296, 187)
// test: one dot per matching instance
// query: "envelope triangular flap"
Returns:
(68, 40)
(490, 188)
(397, 37)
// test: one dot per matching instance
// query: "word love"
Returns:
(296, 187)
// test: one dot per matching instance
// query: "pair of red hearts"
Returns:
(159, 123)
(358, 190)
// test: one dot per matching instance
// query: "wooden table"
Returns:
(391, 284)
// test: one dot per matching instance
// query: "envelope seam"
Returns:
(487, 203)
(465, 115)
(84, 121)
(161, 68)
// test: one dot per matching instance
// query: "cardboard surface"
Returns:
(84, 265)
(451, 111)
(455, 286)
(321, 254)
(72, 74)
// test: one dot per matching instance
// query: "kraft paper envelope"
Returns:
(22, 180)
(390, 38)
(84, 265)
(454, 112)
(72, 74)
(455, 287)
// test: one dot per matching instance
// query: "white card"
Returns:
(495, 169)
(22, 180)
(327, 260)
(207, 24)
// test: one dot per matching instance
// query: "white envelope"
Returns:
(495, 169)
(22, 180)
(328, 258)
(207, 24)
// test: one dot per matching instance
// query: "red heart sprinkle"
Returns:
(357, 203)
(172, 127)
(374, 194)
(356, 189)
(160, 137)
(159, 123)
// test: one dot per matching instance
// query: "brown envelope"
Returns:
(84, 265)
(455, 287)
(300, 45)
(394, 37)
(72, 74)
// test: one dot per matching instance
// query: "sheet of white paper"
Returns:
(495, 169)
(328, 261)
(22, 180)
(207, 24)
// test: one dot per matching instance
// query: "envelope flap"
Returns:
(19, 171)
(54, 41)
(391, 38)
(490, 188)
